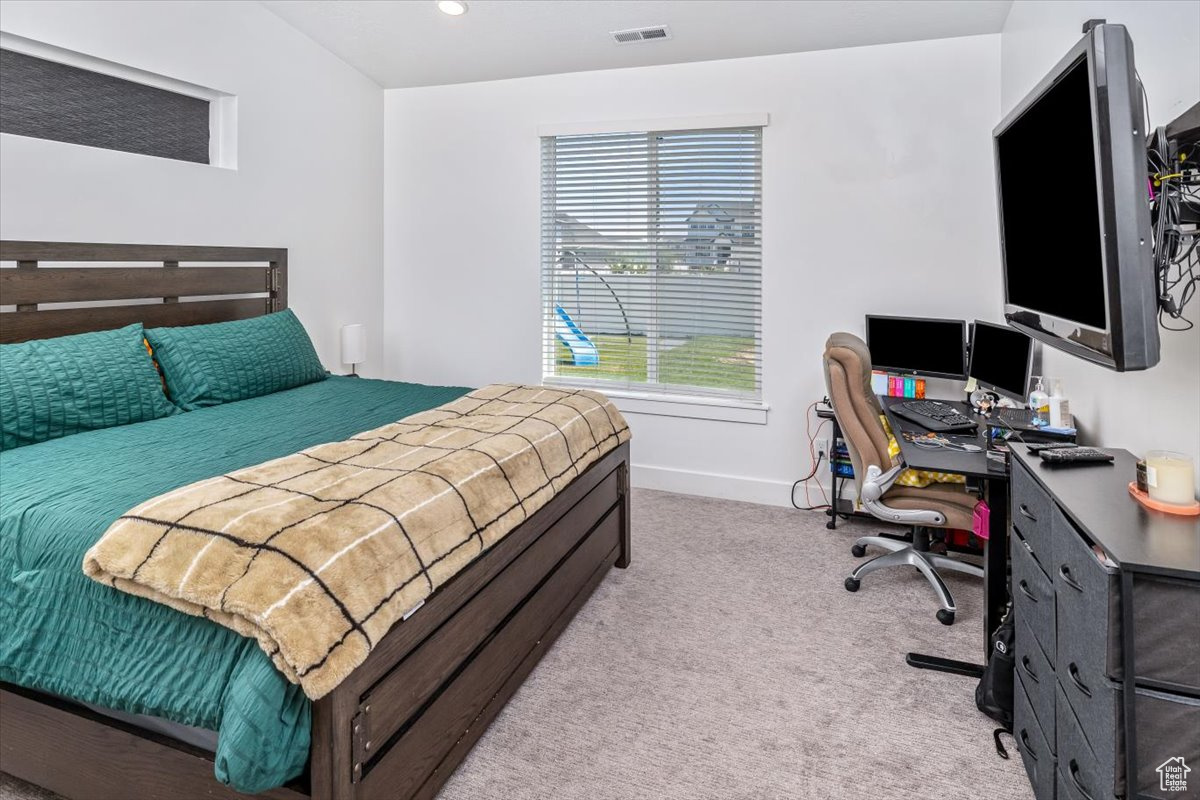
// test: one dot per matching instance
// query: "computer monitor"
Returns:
(1002, 359)
(934, 348)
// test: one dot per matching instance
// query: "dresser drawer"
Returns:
(1168, 726)
(1067, 790)
(1166, 631)
(1095, 702)
(1036, 752)
(1037, 675)
(1030, 514)
(1064, 791)
(1033, 596)
(1085, 774)
(1088, 601)
(1166, 613)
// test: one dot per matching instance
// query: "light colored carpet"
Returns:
(729, 662)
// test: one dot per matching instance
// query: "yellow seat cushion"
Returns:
(917, 478)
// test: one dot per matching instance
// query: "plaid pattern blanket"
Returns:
(317, 554)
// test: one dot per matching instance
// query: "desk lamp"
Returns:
(354, 346)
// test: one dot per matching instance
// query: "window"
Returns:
(50, 93)
(652, 261)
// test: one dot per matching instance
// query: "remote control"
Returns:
(1075, 456)
(1037, 448)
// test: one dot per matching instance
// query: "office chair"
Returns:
(858, 413)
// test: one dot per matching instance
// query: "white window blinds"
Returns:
(652, 261)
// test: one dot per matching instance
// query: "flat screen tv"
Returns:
(1074, 210)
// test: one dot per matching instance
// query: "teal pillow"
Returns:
(55, 387)
(206, 365)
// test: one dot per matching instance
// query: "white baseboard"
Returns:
(764, 491)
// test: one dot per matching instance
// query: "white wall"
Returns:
(877, 197)
(1159, 408)
(309, 146)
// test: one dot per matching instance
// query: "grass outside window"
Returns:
(710, 362)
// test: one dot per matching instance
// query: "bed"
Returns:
(404, 718)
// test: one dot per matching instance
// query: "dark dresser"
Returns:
(1106, 596)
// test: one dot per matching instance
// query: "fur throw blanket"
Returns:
(318, 554)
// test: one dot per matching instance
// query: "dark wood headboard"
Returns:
(182, 278)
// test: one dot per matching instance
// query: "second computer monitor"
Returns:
(933, 348)
(1001, 359)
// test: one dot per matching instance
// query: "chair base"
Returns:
(900, 553)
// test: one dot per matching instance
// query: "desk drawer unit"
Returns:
(1037, 676)
(1088, 661)
(1030, 507)
(1107, 601)
(1037, 750)
(1033, 596)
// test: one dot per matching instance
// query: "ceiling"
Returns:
(403, 43)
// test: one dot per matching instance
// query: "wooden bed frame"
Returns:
(400, 723)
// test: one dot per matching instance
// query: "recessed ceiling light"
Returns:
(455, 8)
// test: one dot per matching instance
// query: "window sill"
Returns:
(630, 401)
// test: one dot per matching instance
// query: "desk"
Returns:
(994, 477)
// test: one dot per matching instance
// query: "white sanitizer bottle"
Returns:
(1039, 404)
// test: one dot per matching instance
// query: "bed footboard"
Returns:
(404, 719)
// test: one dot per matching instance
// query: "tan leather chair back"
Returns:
(848, 381)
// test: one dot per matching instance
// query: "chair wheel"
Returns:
(852, 584)
(858, 551)
(945, 617)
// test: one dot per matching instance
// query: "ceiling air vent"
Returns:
(641, 34)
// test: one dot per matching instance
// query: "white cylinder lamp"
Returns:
(354, 346)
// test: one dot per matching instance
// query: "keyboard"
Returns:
(935, 416)
(1075, 455)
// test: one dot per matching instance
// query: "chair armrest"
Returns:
(877, 483)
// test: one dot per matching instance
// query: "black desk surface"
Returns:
(973, 465)
(1097, 499)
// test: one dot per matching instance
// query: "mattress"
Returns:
(65, 634)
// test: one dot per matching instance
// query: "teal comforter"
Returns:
(63, 633)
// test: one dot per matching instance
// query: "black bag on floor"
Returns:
(994, 694)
